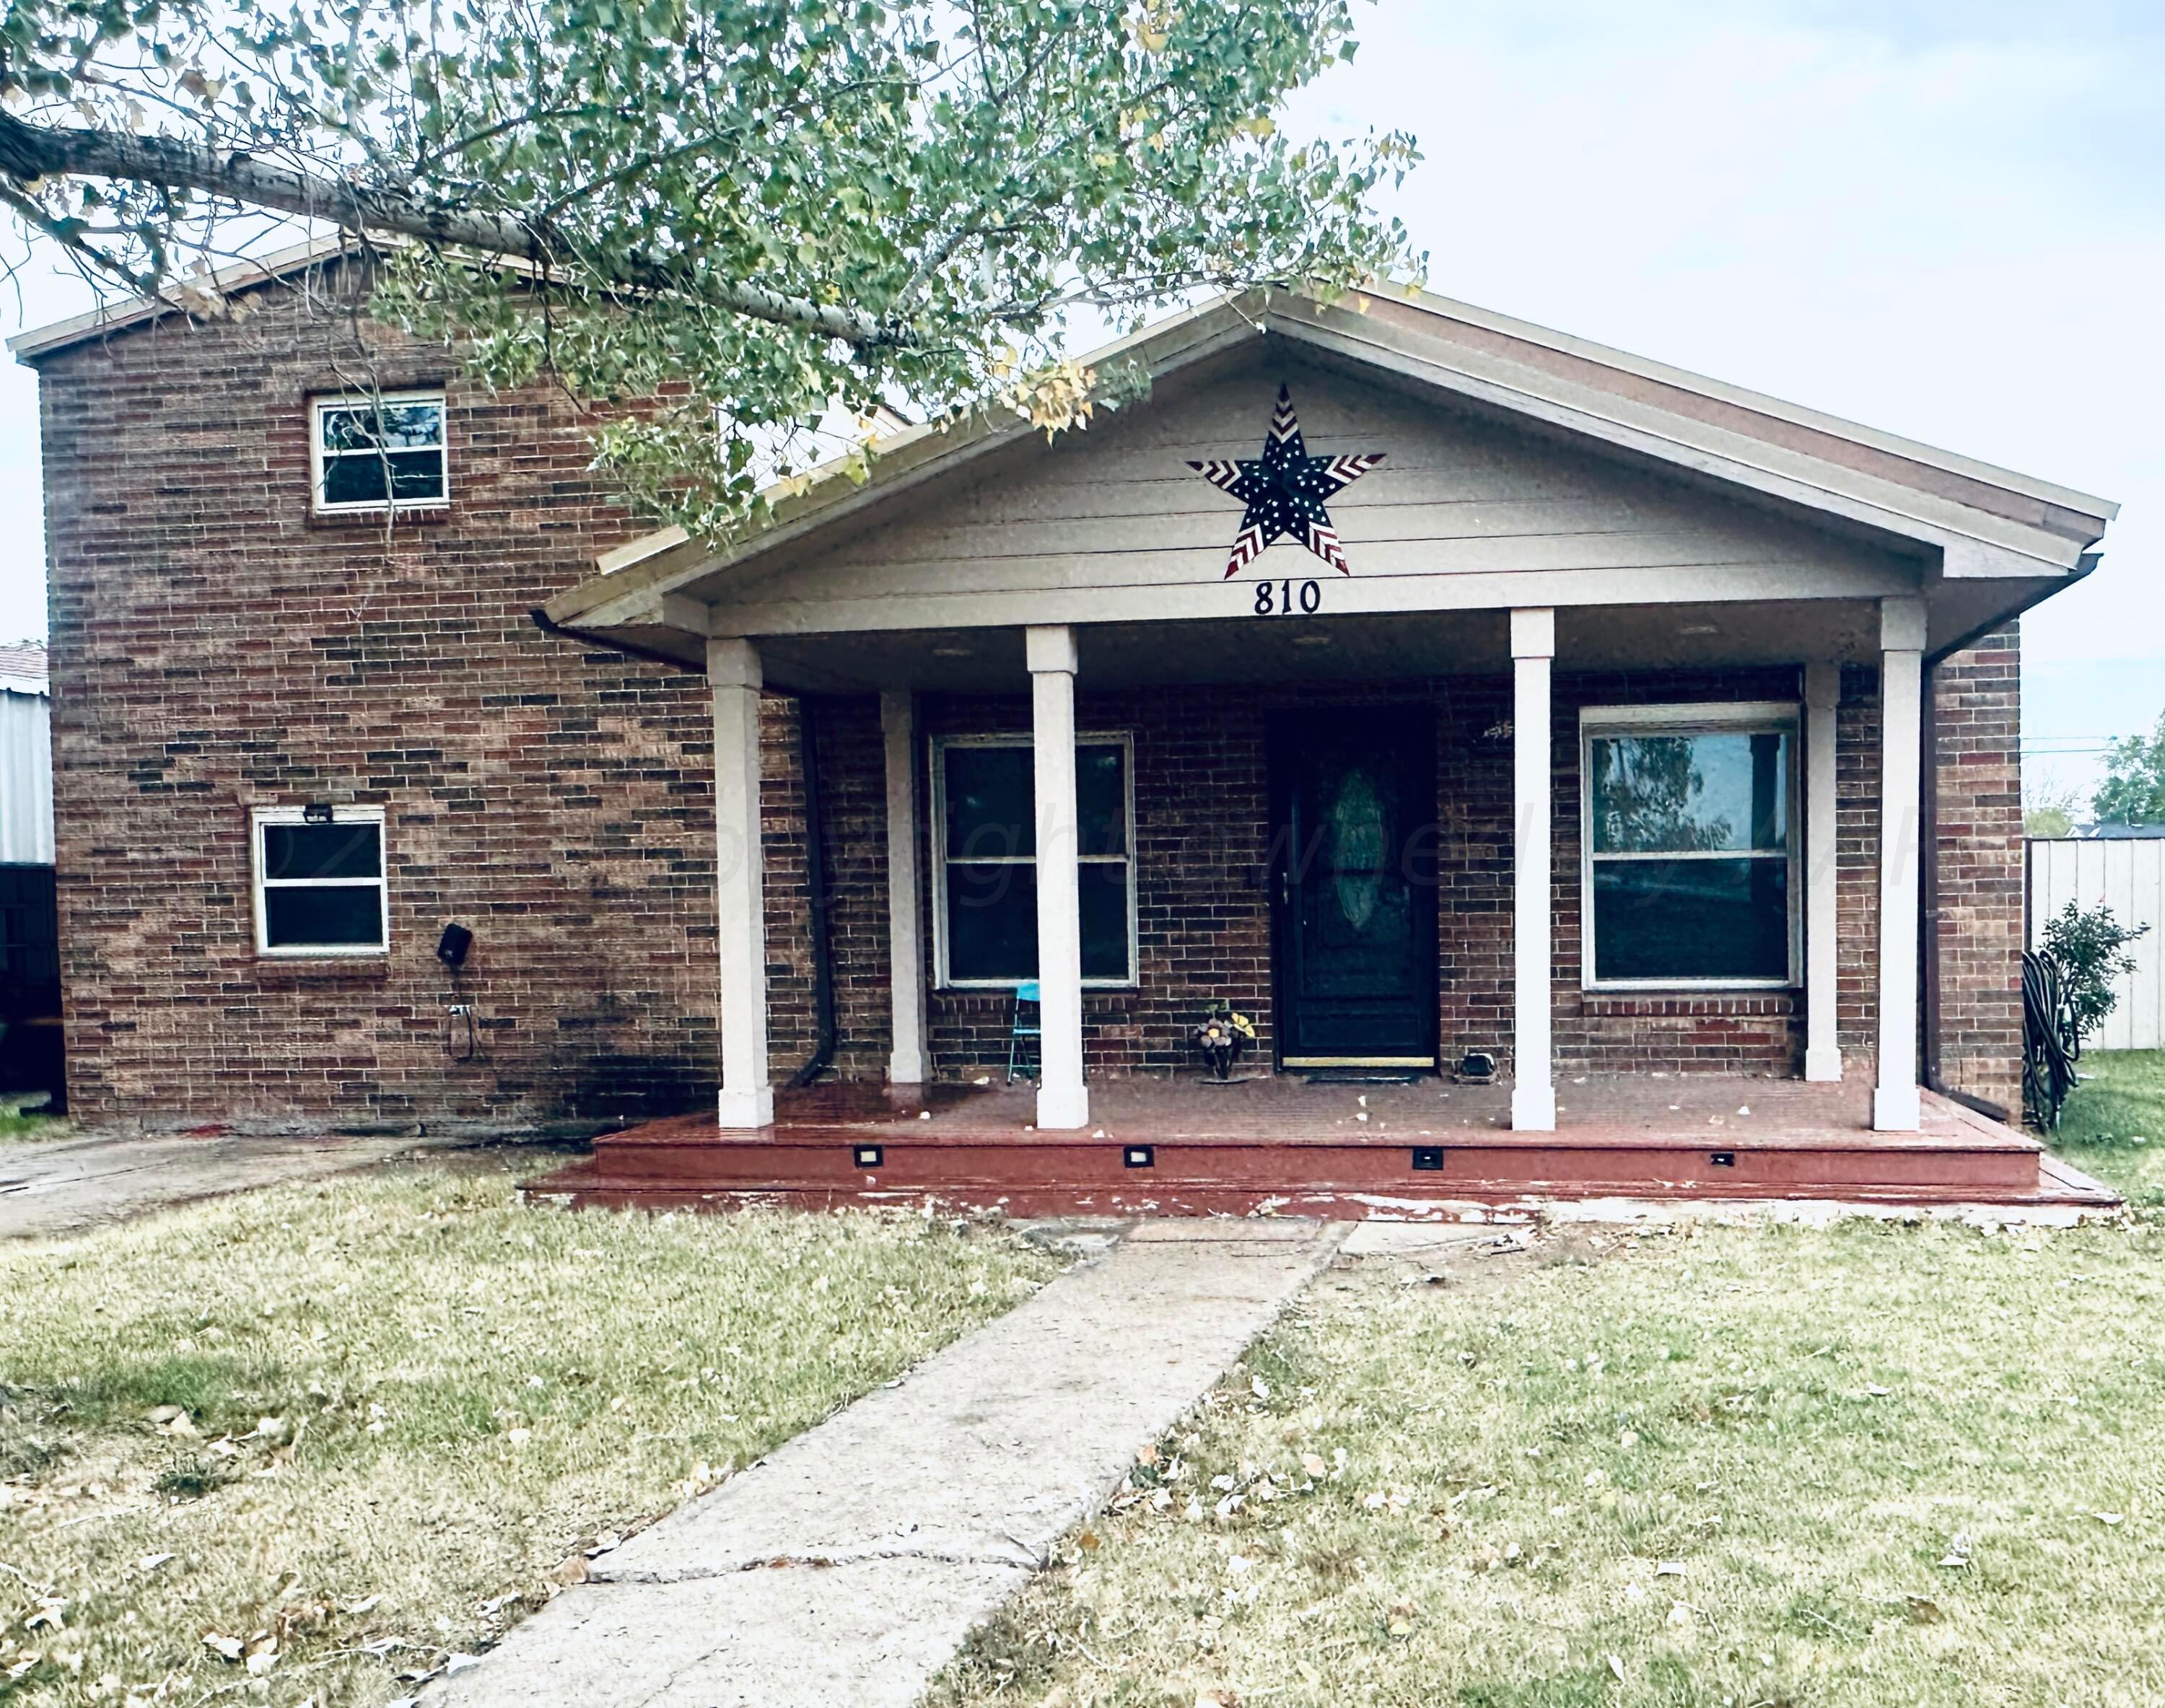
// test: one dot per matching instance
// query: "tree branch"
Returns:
(29, 152)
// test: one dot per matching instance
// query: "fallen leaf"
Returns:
(150, 1563)
(1217, 1696)
(2106, 1517)
(1314, 1465)
(366, 1605)
(1921, 1609)
(1616, 1666)
(572, 1571)
(1259, 1388)
(225, 1648)
(1090, 1541)
(1670, 1568)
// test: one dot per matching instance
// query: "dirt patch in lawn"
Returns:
(1766, 1465)
(309, 1443)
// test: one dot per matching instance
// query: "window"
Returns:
(379, 452)
(1689, 829)
(320, 884)
(984, 816)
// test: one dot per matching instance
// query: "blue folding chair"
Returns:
(1021, 1025)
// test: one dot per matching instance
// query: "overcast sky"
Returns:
(1945, 218)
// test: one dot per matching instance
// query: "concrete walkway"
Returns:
(70, 1184)
(850, 1565)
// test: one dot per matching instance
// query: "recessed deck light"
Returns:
(1311, 639)
(1699, 629)
(952, 652)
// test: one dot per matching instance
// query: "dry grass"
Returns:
(410, 1404)
(1721, 1468)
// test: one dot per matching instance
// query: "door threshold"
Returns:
(1422, 1064)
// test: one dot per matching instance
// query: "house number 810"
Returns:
(1278, 598)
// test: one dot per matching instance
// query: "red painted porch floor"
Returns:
(1278, 1144)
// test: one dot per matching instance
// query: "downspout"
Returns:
(815, 884)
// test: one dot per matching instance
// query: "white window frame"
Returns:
(1718, 718)
(1122, 739)
(262, 817)
(350, 400)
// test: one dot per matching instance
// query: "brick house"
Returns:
(1648, 725)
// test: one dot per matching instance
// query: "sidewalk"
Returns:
(70, 1184)
(852, 1564)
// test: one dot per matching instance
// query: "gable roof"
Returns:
(108, 318)
(1981, 520)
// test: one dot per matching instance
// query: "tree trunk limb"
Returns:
(29, 151)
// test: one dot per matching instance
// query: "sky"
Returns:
(1943, 218)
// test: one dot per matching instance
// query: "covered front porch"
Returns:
(1281, 1144)
(1593, 731)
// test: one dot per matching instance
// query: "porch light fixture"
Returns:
(1138, 1156)
(1428, 1159)
(870, 1156)
(316, 813)
(1723, 1159)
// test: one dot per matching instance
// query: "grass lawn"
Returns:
(2114, 1123)
(344, 1430)
(1763, 1467)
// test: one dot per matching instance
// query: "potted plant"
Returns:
(1223, 1034)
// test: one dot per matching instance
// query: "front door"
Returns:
(1353, 874)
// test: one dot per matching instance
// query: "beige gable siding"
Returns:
(1460, 512)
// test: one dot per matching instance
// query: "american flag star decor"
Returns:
(1284, 490)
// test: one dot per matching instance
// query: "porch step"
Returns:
(681, 1164)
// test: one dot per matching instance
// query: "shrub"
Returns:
(2091, 949)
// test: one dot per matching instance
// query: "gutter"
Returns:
(583, 637)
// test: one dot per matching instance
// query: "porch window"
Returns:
(319, 888)
(984, 818)
(374, 453)
(1688, 833)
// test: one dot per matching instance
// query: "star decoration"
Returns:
(1284, 490)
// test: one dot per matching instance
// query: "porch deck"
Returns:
(1278, 1143)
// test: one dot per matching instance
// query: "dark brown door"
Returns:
(1353, 875)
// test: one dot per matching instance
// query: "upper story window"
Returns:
(319, 888)
(379, 452)
(1689, 844)
(985, 820)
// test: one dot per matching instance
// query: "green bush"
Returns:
(2091, 949)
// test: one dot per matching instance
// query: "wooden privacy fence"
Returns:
(2128, 876)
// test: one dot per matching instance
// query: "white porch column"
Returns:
(907, 1065)
(1533, 1091)
(1822, 975)
(1894, 1101)
(1063, 1100)
(747, 1100)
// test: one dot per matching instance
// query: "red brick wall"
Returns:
(1977, 698)
(216, 649)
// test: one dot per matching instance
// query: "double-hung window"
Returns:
(379, 452)
(984, 807)
(319, 888)
(1690, 847)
